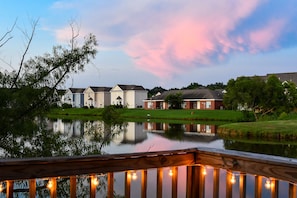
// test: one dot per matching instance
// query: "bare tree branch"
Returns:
(30, 38)
(6, 37)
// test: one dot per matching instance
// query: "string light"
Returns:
(268, 184)
(233, 179)
(95, 181)
(170, 172)
(49, 184)
(134, 175)
(204, 172)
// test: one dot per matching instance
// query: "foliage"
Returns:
(174, 100)
(155, 91)
(217, 85)
(193, 85)
(111, 115)
(259, 96)
(32, 88)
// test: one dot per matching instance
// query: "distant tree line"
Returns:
(193, 85)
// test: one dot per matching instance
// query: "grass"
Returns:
(276, 129)
(142, 115)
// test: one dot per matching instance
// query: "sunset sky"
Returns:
(168, 43)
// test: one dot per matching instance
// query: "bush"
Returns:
(283, 116)
(66, 106)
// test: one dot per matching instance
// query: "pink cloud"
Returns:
(166, 38)
(267, 36)
(188, 38)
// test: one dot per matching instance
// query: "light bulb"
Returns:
(233, 180)
(134, 176)
(95, 181)
(49, 184)
(267, 184)
(170, 173)
(204, 171)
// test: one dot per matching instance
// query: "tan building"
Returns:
(97, 97)
(130, 96)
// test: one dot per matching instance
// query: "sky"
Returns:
(167, 43)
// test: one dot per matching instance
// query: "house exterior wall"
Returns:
(78, 100)
(102, 99)
(188, 104)
(116, 92)
(139, 96)
(129, 98)
(68, 97)
(89, 97)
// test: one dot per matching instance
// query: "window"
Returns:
(208, 104)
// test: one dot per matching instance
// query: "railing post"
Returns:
(174, 182)
(292, 191)
(9, 189)
(274, 188)
(93, 185)
(143, 183)
(242, 185)
(258, 186)
(53, 187)
(32, 188)
(127, 184)
(228, 184)
(159, 182)
(110, 181)
(216, 182)
(193, 179)
(73, 186)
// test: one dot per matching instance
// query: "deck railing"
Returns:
(196, 161)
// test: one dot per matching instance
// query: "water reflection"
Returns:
(279, 149)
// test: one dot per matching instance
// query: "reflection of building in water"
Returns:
(71, 129)
(191, 132)
(197, 128)
(131, 133)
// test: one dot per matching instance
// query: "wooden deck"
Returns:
(276, 168)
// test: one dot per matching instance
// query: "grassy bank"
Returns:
(142, 115)
(276, 129)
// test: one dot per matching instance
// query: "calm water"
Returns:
(67, 138)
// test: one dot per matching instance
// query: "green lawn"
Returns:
(281, 129)
(141, 114)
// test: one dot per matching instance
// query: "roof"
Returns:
(289, 77)
(77, 90)
(200, 93)
(100, 89)
(131, 87)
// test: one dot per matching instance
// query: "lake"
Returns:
(70, 138)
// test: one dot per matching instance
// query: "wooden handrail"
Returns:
(258, 164)
(30, 168)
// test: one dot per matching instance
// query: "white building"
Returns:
(98, 97)
(130, 96)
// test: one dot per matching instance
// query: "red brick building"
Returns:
(201, 98)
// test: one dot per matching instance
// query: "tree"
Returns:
(217, 85)
(174, 100)
(193, 85)
(30, 90)
(155, 91)
(259, 96)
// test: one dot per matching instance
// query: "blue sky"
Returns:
(168, 43)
